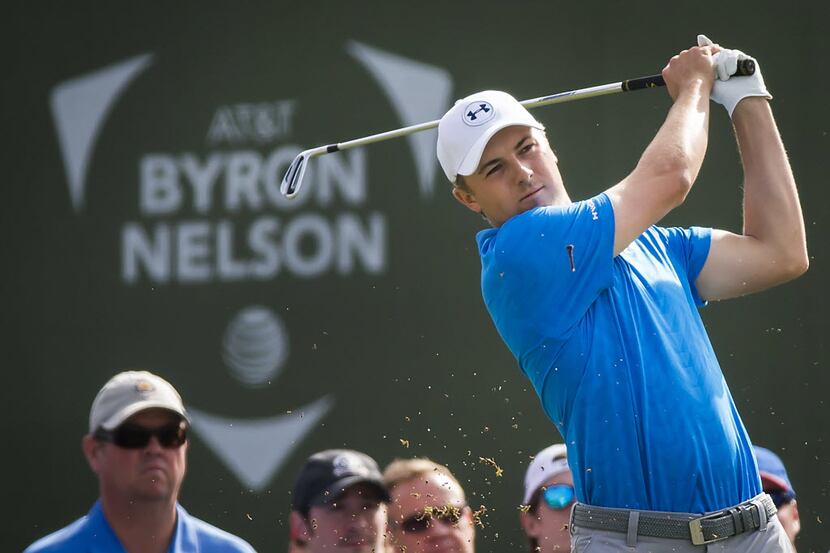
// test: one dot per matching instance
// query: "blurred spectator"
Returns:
(777, 484)
(339, 502)
(428, 510)
(548, 497)
(137, 445)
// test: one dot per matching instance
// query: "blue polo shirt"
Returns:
(92, 534)
(618, 354)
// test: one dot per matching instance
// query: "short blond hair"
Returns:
(403, 470)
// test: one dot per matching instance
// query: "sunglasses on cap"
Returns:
(558, 496)
(420, 522)
(133, 436)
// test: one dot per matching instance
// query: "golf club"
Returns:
(293, 179)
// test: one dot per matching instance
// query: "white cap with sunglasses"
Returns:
(549, 462)
(128, 393)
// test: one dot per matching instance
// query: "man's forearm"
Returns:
(772, 212)
(680, 144)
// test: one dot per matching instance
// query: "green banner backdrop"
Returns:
(143, 229)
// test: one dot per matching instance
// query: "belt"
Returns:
(699, 529)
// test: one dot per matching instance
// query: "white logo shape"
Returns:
(79, 107)
(478, 112)
(347, 464)
(419, 92)
(255, 346)
(254, 449)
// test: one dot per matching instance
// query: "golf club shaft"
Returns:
(559, 98)
(292, 180)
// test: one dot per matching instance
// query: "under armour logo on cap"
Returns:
(478, 113)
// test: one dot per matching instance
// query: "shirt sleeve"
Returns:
(554, 261)
(689, 249)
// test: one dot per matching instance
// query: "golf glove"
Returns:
(728, 91)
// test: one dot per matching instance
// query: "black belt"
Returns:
(698, 529)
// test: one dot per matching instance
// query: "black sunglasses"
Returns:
(133, 436)
(420, 522)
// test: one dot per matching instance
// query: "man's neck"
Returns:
(141, 526)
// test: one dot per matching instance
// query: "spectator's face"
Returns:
(549, 524)
(788, 515)
(446, 522)
(150, 473)
(354, 522)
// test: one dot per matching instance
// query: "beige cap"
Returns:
(550, 462)
(129, 392)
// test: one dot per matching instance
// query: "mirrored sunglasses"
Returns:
(133, 436)
(558, 496)
(420, 522)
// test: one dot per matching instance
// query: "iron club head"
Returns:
(293, 179)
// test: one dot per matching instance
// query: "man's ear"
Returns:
(300, 528)
(91, 447)
(466, 199)
(796, 516)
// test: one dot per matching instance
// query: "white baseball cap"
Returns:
(550, 462)
(129, 392)
(468, 126)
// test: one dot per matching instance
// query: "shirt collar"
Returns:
(102, 539)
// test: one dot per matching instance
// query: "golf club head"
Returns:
(293, 179)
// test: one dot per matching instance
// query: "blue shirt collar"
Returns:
(102, 539)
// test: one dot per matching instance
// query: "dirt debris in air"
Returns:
(492, 462)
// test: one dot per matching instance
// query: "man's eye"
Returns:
(493, 169)
(527, 147)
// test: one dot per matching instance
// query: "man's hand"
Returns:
(728, 90)
(690, 68)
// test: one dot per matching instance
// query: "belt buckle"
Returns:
(696, 530)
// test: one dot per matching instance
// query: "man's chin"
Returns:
(447, 545)
(153, 491)
(357, 547)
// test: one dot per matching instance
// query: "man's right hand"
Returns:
(690, 68)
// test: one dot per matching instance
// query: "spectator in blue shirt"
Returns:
(137, 446)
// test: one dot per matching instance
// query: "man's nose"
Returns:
(362, 519)
(523, 170)
(438, 527)
(154, 446)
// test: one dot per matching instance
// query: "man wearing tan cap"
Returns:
(137, 445)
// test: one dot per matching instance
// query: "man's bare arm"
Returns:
(669, 166)
(772, 248)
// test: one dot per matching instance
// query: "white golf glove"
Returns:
(727, 91)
